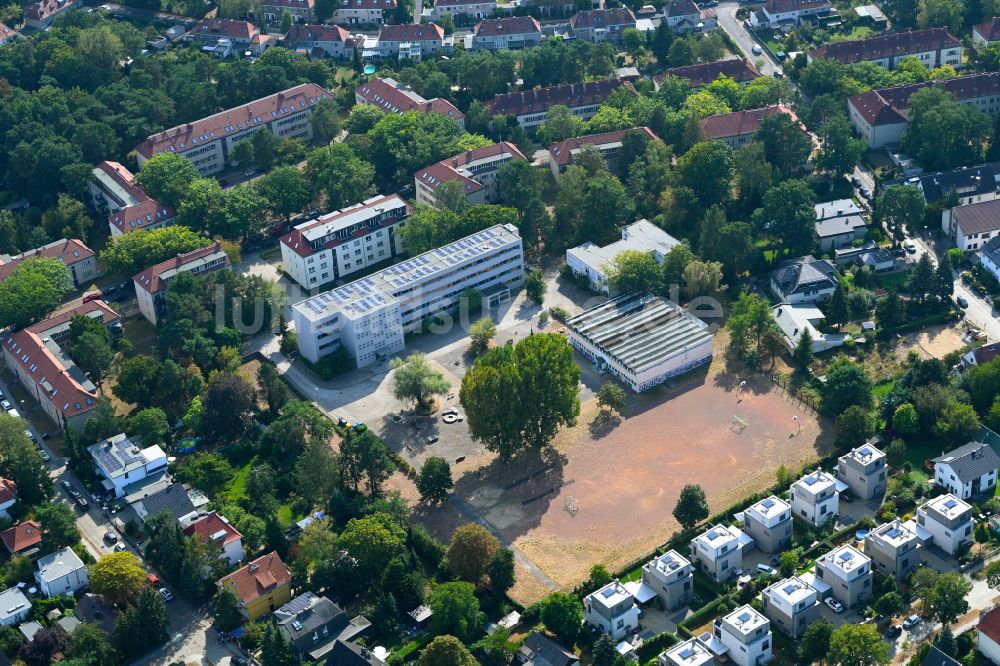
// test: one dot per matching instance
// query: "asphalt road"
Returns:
(726, 12)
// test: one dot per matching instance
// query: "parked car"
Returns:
(834, 605)
(765, 569)
(757, 50)
(45, 454)
(910, 246)
(962, 301)
(120, 547)
(166, 594)
(92, 296)
(31, 436)
(432, 439)
(82, 502)
(66, 484)
(110, 537)
(846, 497)
(893, 632)
(911, 622)
(6, 404)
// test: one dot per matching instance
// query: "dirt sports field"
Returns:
(624, 483)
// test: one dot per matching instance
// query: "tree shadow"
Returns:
(605, 422)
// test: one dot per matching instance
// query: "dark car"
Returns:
(82, 502)
(962, 301)
(847, 497)
(110, 537)
(893, 632)
(67, 485)
(432, 439)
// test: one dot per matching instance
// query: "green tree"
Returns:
(750, 323)
(455, 610)
(364, 457)
(785, 143)
(68, 218)
(612, 396)
(90, 647)
(692, 506)
(131, 253)
(265, 148)
(138, 378)
(534, 285)
(854, 426)
(151, 425)
(118, 576)
(803, 353)
(21, 462)
(857, 645)
(841, 150)
(242, 153)
(945, 597)
(227, 610)
(414, 379)
(560, 124)
(563, 615)
(634, 270)
(446, 651)
(702, 278)
(35, 288)
(957, 424)
(674, 264)
(481, 333)
(540, 370)
(58, 523)
(941, 14)
(890, 605)
(286, 190)
(345, 178)
(901, 208)
(943, 133)
(836, 310)
(905, 420)
(229, 404)
(501, 571)
(921, 280)
(707, 169)
(946, 642)
(372, 541)
(208, 472)
(166, 177)
(789, 562)
(434, 481)
(93, 353)
(286, 22)
(789, 213)
(605, 652)
(846, 385)
(275, 650)
(944, 280)
(315, 472)
(469, 554)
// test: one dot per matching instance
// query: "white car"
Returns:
(166, 594)
(910, 246)
(834, 605)
(757, 50)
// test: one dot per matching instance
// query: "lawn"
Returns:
(892, 281)
(879, 391)
(237, 488)
(918, 450)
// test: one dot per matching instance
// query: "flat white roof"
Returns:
(770, 507)
(691, 652)
(815, 482)
(948, 506)
(847, 558)
(895, 533)
(793, 590)
(643, 236)
(714, 537)
(745, 619)
(611, 594)
(865, 454)
(670, 561)
(324, 225)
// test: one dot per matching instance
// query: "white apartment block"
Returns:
(747, 636)
(692, 652)
(671, 577)
(363, 12)
(972, 226)
(593, 261)
(777, 12)
(848, 572)
(933, 47)
(369, 316)
(719, 551)
(948, 520)
(791, 604)
(120, 462)
(515, 32)
(477, 9)
(894, 548)
(531, 107)
(611, 610)
(816, 497)
(151, 284)
(209, 141)
(477, 170)
(414, 41)
(344, 242)
(769, 524)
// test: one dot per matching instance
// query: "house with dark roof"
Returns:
(151, 284)
(804, 280)
(971, 226)
(780, 13)
(531, 107)
(47, 372)
(173, 499)
(685, 17)
(300, 10)
(607, 143)
(967, 471)
(318, 41)
(351, 654)
(740, 70)
(969, 185)
(80, 261)
(985, 35)
(313, 624)
(96, 609)
(882, 115)
(839, 223)
(933, 47)
(392, 96)
(602, 25)
(935, 657)
(261, 586)
(477, 170)
(738, 128)
(985, 353)
(23, 538)
(540, 650)
(514, 32)
(39, 15)
(989, 256)
(988, 635)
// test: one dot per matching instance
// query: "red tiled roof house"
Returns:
(475, 169)
(22, 538)
(151, 284)
(216, 530)
(261, 586)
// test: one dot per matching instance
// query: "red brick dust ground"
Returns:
(626, 482)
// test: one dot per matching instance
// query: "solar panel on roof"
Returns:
(788, 589)
(744, 617)
(846, 556)
(951, 504)
(768, 503)
(712, 535)
(686, 653)
(607, 593)
(894, 533)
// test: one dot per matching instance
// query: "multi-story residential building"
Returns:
(346, 241)
(120, 462)
(209, 142)
(984, 353)
(541, 650)
(777, 13)
(477, 170)
(223, 37)
(607, 143)
(988, 635)
(392, 96)
(985, 35)
(531, 107)
(692, 652)
(364, 12)
(300, 10)
(804, 280)
(370, 316)
(864, 471)
(592, 260)
(216, 530)
(61, 573)
(671, 576)
(602, 25)
(848, 572)
(933, 47)
(794, 320)
(80, 261)
(839, 223)
(641, 339)
(949, 522)
(261, 587)
(718, 551)
(312, 625)
(514, 32)
(967, 471)
(791, 604)
(894, 548)
(39, 15)
(882, 115)
(413, 40)
(113, 191)
(472, 9)
(747, 634)
(989, 256)
(611, 610)
(769, 524)
(151, 284)
(740, 127)
(972, 225)
(740, 70)
(47, 372)
(684, 17)
(329, 41)
(815, 497)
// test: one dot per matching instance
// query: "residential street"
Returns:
(727, 20)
